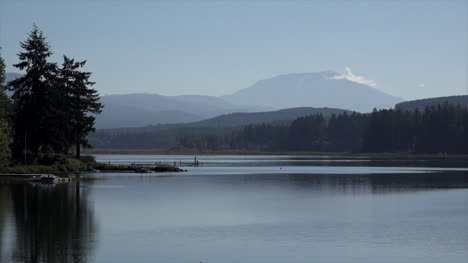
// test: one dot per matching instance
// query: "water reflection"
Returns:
(53, 223)
(383, 183)
(242, 214)
(4, 201)
(352, 183)
(284, 217)
(289, 160)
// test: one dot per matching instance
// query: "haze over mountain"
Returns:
(133, 110)
(320, 89)
(117, 116)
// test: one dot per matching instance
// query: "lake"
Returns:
(244, 209)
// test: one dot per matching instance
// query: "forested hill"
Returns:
(435, 130)
(280, 116)
(422, 104)
(235, 120)
(163, 136)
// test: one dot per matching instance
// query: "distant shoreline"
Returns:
(240, 152)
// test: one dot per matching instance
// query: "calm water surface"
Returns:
(243, 209)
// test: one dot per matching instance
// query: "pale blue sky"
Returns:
(412, 49)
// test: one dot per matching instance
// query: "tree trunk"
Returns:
(78, 148)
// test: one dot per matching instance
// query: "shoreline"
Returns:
(35, 170)
(331, 154)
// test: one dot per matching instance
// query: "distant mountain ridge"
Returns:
(236, 119)
(421, 104)
(319, 89)
(116, 116)
(285, 115)
(162, 136)
(140, 109)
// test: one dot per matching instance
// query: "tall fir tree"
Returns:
(82, 102)
(32, 95)
(55, 107)
(5, 140)
(3, 97)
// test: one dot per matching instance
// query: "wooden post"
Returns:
(25, 147)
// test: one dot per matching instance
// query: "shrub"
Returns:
(53, 158)
(88, 159)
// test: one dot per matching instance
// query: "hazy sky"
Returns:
(412, 49)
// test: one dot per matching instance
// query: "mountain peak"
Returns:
(318, 89)
(326, 74)
(329, 73)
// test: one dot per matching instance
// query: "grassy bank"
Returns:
(88, 164)
(62, 166)
(135, 168)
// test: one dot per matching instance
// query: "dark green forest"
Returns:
(441, 129)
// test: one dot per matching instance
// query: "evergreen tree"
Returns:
(32, 95)
(5, 140)
(308, 134)
(82, 101)
(3, 98)
(54, 106)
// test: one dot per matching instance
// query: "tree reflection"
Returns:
(4, 201)
(380, 183)
(54, 223)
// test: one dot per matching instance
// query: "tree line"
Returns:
(52, 107)
(437, 129)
